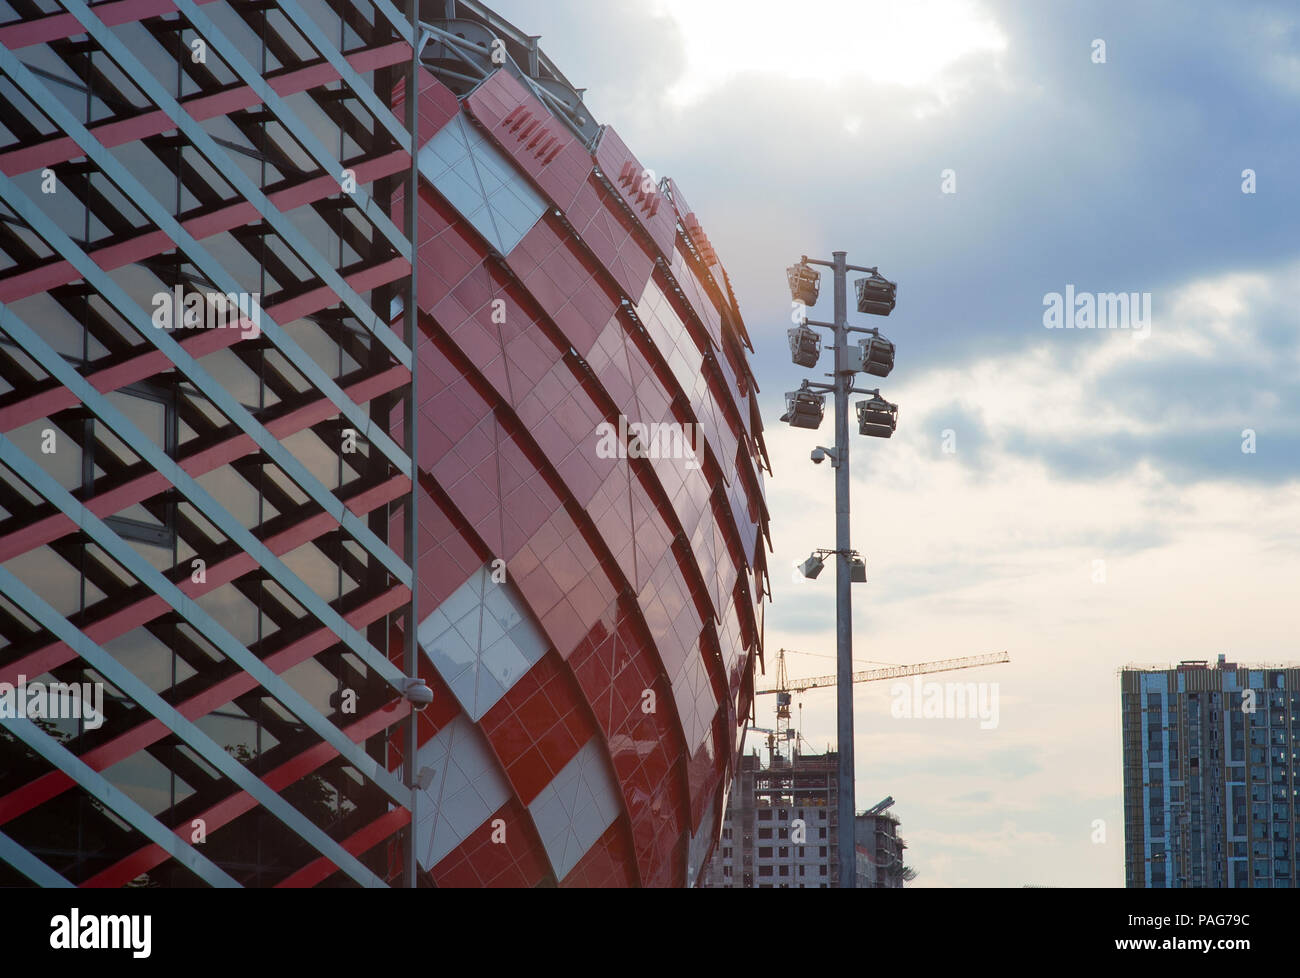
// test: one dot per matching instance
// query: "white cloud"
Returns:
(827, 41)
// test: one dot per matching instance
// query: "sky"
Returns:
(1083, 498)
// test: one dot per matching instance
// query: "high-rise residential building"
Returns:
(779, 830)
(267, 515)
(1210, 784)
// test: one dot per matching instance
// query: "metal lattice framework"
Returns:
(160, 149)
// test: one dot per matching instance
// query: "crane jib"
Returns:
(890, 672)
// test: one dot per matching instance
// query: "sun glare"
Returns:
(826, 41)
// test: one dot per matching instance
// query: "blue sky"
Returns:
(802, 129)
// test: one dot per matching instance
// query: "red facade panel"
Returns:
(502, 852)
(639, 189)
(543, 146)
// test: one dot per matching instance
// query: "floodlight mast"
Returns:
(843, 593)
(842, 388)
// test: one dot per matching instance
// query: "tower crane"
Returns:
(785, 686)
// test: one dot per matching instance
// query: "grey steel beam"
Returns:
(411, 425)
(396, 18)
(145, 572)
(198, 136)
(116, 799)
(843, 591)
(186, 730)
(62, 245)
(31, 867)
(317, 39)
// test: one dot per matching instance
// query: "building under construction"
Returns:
(781, 820)
(880, 849)
(780, 829)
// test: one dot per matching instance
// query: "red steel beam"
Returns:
(53, 783)
(57, 272)
(107, 503)
(239, 802)
(141, 612)
(358, 842)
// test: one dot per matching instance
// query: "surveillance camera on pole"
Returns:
(417, 692)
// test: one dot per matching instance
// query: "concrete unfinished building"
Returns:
(779, 830)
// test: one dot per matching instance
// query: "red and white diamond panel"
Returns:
(591, 623)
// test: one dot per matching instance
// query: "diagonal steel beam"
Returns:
(188, 365)
(125, 680)
(50, 489)
(116, 799)
(40, 95)
(31, 867)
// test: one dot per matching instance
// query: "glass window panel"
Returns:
(231, 729)
(228, 371)
(199, 642)
(314, 683)
(158, 555)
(319, 459)
(317, 572)
(232, 611)
(52, 578)
(147, 414)
(149, 658)
(143, 164)
(233, 492)
(140, 285)
(145, 780)
(52, 450)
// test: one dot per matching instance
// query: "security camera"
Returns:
(818, 455)
(417, 693)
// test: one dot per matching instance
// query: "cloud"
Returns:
(828, 40)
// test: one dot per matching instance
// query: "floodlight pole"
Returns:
(843, 593)
(843, 386)
(845, 368)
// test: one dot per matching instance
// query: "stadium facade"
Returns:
(263, 513)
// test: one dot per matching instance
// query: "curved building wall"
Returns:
(591, 618)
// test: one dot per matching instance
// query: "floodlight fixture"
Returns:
(876, 295)
(875, 355)
(805, 345)
(811, 567)
(805, 283)
(877, 418)
(804, 408)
